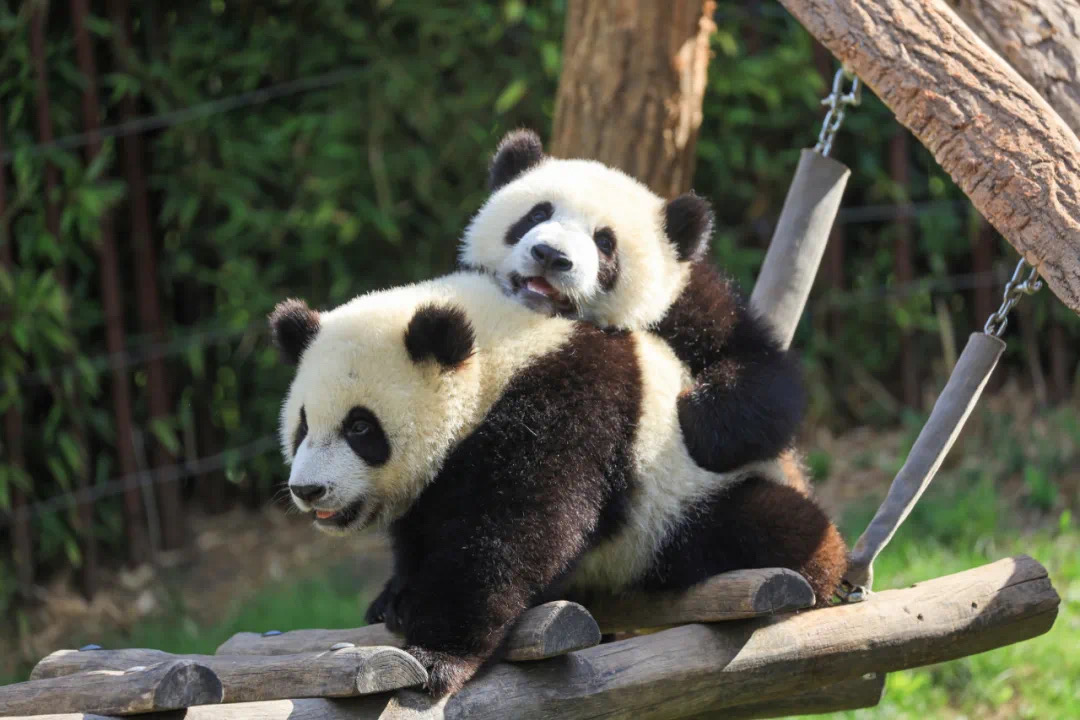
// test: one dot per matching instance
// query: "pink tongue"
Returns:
(540, 285)
(324, 514)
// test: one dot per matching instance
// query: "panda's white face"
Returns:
(384, 385)
(577, 238)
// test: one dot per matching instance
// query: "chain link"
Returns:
(838, 102)
(1015, 289)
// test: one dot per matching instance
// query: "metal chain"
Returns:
(1014, 290)
(838, 102)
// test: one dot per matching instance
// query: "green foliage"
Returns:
(358, 169)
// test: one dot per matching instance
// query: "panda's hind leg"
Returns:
(756, 523)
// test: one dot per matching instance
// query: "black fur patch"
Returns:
(293, 325)
(754, 524)
(518, 151)
(539, 213)
(301, 431)
(688, 223)
(608, 274)
(371, 445)
(748, 398)
(442, 333)
(543, 478)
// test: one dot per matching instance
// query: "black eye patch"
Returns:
(364, 434)
(540, 212)
(605, 241)
(301, 431)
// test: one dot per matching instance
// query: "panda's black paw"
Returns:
(383, 608)
(447, 673)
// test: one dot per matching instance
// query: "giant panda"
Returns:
(581, 239)
(515, 457)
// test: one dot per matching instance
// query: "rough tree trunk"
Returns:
(111, 304)
(22, 541)
(632, 84)
(1040, 39)
(903, 263)
(169, 497)
(988, 128)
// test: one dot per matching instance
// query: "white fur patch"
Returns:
(586, 196)
(358, 358)
(669, 482)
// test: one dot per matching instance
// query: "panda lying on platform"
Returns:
(515, 458)
(581, 239)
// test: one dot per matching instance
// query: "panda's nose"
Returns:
(550, 258)
(308, 493)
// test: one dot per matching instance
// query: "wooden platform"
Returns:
(768, 658)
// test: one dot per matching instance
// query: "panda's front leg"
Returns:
(383, 609)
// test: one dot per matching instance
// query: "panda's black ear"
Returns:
(688, 223)
(518, 151)
(442, 333)
(293, 325)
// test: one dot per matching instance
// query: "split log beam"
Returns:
(549, 630)
(346, 672)
(165, 686)
(1002, 143)
(853, 694)
(734, 595)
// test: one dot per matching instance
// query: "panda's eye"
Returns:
(605, 241)
(359, 428)
(540, 213)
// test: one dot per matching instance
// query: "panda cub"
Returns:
(580, 239)
(515, 457)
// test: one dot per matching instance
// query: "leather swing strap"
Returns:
(947, 419)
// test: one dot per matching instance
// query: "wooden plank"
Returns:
(341, 673)
(696, 669)
(546, 631)
(164, 686)
(987, 127)
(734, 595)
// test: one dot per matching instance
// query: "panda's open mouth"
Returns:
(346, 516)
(539, 294)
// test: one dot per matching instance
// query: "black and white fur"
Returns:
(515, 457)
(581, 239)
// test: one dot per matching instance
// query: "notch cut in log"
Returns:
(165, 686)
(341, 673)
(734, 595)
(1002, 143)
(548, 630)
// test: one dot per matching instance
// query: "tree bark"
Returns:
(110, 300)
(632, 85)
(22, 540)
(169, 496)
(1040, 39)
(988, 128)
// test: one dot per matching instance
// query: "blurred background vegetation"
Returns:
(320, 148)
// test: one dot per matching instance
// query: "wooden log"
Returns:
(1040, 39)
(988, 128)
(549, 630)
(165, 686)
(730, 596)
(853, 694)
(246, 678)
